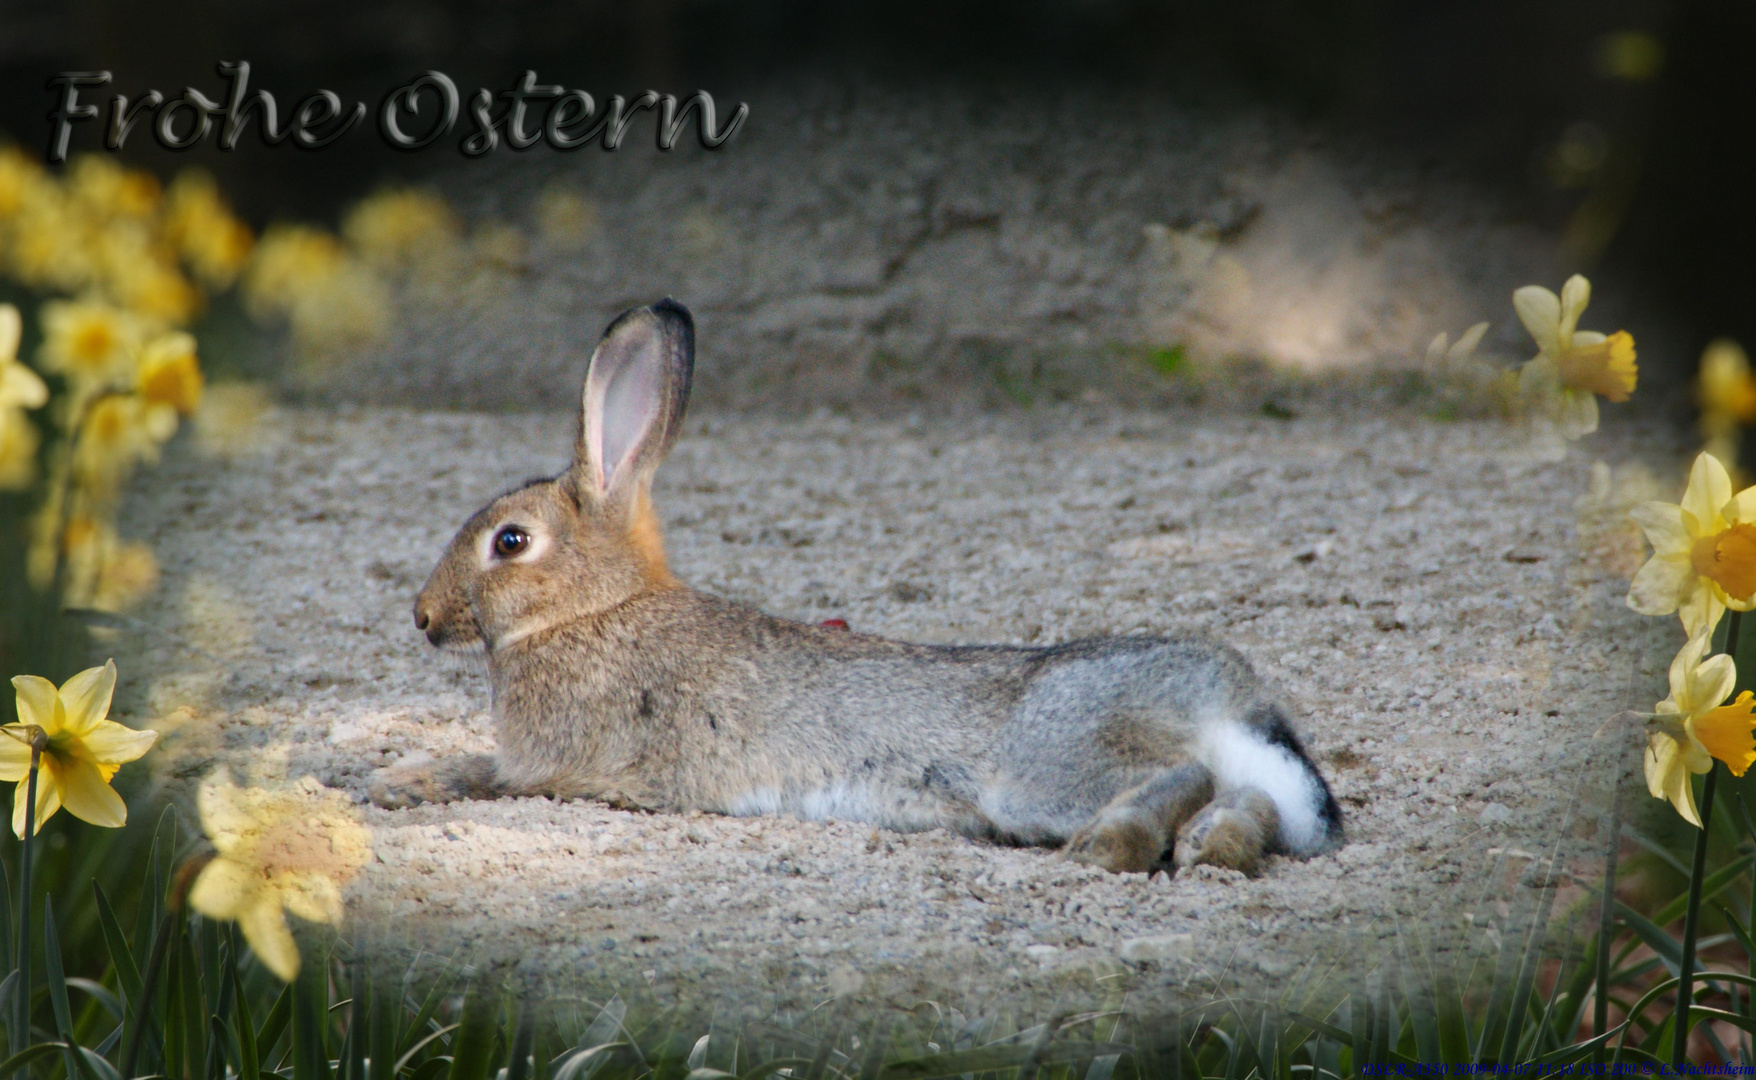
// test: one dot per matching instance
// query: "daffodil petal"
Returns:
(224, 889)
(1538, 379)
(14, 759)
(48, 801)
(11, 328)
(1575, 294)
(225, 812)
(86, 696)
(1540, 312)
(265, 928)
(1659, 759)
(1710, 684)
(88, 798)
(311, 896)
(1662, 522)
(1467, 342)
(110, 743)
(1701, 612)
(1741, 508)
(1661, 585)
(36, 700)
(1681, 793)
(1710, 488)
(1576, 415)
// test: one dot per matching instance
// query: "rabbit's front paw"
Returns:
(1120, 841)
(436, 782)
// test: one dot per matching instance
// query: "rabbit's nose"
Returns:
(421, 618)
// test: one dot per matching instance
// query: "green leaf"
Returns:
(471, 1049)
(1668, 948)
(408, 1055)
(991, 1058)
(274, 1025)
(30, 1055)
(310, 1019)
(57, 979)
(120, 957)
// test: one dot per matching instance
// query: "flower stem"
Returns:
(20, 1026)
(1697, 870)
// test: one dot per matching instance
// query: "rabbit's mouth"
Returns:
(450, 634)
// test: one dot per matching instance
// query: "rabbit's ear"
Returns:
(634, 398)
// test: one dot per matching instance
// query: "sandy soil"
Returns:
(1419, 591)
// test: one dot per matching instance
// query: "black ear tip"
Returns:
(671, 309)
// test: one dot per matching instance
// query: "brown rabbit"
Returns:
(613, 681)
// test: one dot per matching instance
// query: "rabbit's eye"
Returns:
(510, 541)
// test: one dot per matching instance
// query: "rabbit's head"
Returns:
(583, 542)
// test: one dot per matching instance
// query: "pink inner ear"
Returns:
(623, 408)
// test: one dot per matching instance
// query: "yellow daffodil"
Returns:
(1573, 366)
(18, 450)
(117, 432)
(391, 228)
(20, 387)
(169, 373)
(82, 750)
(200, 226)
(104, 572)
(1703, 550)
(1725, 388)
(90, 342)
(105, 189)
(21, 178)
(279, 850)
(50, 248)
(290, 261)
(1692, 728)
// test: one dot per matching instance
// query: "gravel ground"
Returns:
(1419, 590)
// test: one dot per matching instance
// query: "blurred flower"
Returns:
(230, 418)
(280, 850)
(1459, 353)
(90, 342)
(51, 245)
(169, 373)
(83, 753)
(18, 450)
(348, 308)
(20, 387)
(289, 262)
(153, 289)
(103, 572)
(500, 245)
(118, 431)
(1573, 366)
(566, 218)
(1631, 54)
(21, 177)
(392, 228)
(1703, 550)
(1725, 389)
(1691, 727)
(105, 189)
(200, 226)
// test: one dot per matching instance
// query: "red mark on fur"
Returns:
(834, 624)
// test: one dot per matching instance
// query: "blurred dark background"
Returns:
(1626, 129)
